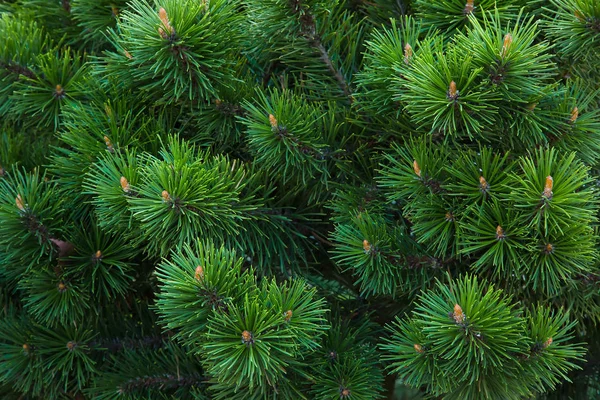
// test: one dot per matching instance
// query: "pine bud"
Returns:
(458, 315)
(199, 274)
(332, 356)
(288, 315)
(62, 287)
(71, 345)
(97, 255)
(344, 392)
(531, 106)
(115, 11)
(366, 246)
(273, 121)
(547, 193)
(452, 91)
(2, 171)
(162, 14)
(166, 196)
(507, 42)
(125, 185)
(408, 52)
(469, 7)
(418, 348)
(109, 145)
(483, 185)
(574, 115)
(247, 338)
(547, 343)
(19, 203)
(128, 54)
(26, 348)
(449, 216)
(416, 168)
(59, 92)
(164, 18)
(500, 233)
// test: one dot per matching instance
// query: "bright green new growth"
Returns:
(465, 341)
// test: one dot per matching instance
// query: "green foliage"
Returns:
(467, 341)
(531, 221)
(573, 24)
(451, 15)
(30, 213)
(176, 55)
(248, 333)
(230, 199)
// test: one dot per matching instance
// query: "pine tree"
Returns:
(299, 199)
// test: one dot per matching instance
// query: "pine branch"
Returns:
(309, 32)
(160, 382)
(18, 69)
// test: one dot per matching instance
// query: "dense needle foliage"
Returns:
(299, 199)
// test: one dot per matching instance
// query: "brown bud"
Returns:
(469, 7)
(366, 246)
(452, 91)
(506, 44)
(59, 92)
(574, 115)
(62, 287)
(273, 121)
(483, 185)
(500, 233)
(164, 18)
(332, 355)
(218, 102)
(247, 338)
(458, 315)
(26, 348)
(547, 193)
(128, 54)
(98, 255)
(162, 14)
(115, 11)
(449, 216)
(416, 168)
(199, 274)
(344, 392)
(71, 345)
(165, 196)
(19, 203)
(547, 343)
(408, 52)
(288, 315)
(109, 145)
(125, 185)
(549, 248)
(418, 348)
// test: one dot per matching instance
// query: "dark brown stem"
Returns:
(309, 31)
(18, 69)
(336, 72)
(160, 382)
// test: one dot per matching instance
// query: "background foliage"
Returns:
(299, 199)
